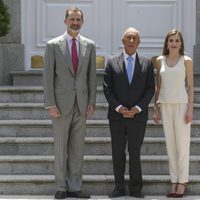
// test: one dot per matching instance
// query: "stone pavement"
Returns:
(26, 197)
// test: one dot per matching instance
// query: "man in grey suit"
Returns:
(70, 89)
(128, 87)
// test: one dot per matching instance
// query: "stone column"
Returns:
(196, 49)
(11, 49)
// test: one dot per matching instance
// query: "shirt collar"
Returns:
(69, 37)
(126, 55)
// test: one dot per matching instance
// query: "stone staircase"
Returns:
(26, 144)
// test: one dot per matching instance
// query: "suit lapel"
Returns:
(137, 70)
(122, 67)
(120, 62)
(66, 53)
(82, 52)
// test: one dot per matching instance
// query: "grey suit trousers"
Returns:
(69, 135)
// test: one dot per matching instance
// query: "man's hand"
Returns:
(54, 112)
(123, 110)
(128, 113)
(134, 111)
(90, 110)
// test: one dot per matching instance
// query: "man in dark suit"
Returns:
(69, 90)
(128, 87)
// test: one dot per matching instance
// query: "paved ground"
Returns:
(4, 197)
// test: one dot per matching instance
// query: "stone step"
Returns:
(30, 94)
(37, 111)
(151, 146)
(93, 184)
(93, 146)
(22, 111)
(36, 94)
(34, 77)
(93, 197)
(21, 94)
(93, 165)
(27, 78)
(95, 128)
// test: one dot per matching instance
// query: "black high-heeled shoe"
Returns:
(177, 195)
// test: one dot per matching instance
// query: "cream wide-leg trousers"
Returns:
(177, 135)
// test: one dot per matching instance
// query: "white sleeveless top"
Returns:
(172, 89)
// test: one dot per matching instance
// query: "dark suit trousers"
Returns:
(127, 132)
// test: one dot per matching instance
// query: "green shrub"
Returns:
(4, 19)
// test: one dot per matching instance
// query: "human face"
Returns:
(74, 22)
(131, 42)
(174, 43)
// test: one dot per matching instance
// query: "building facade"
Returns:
(34, 22)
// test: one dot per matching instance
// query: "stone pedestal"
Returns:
(11, 58)
(11, 49)
(196, 57)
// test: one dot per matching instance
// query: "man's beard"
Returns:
(73, 30)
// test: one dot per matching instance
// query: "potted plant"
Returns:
(4, 19)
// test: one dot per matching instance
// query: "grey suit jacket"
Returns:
(60, 84)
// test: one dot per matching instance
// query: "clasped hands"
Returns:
(126, 113)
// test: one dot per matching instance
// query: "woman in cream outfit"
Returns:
(176, 106)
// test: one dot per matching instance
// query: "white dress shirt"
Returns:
(69, 42)
(126, 61)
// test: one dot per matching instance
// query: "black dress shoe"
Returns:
(78, 194)
(137, 195)
(60, 195)
(117, 193)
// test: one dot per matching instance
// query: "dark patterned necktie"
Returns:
(74, 56)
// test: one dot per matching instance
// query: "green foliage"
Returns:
(4, 19)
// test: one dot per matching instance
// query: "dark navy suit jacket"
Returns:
(118, 91)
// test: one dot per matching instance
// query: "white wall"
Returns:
(105, 21)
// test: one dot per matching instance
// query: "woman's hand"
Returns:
(156, 116)
(188, 116)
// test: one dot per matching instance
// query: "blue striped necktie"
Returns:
(130, 68)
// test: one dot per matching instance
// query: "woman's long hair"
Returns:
(170, 33)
